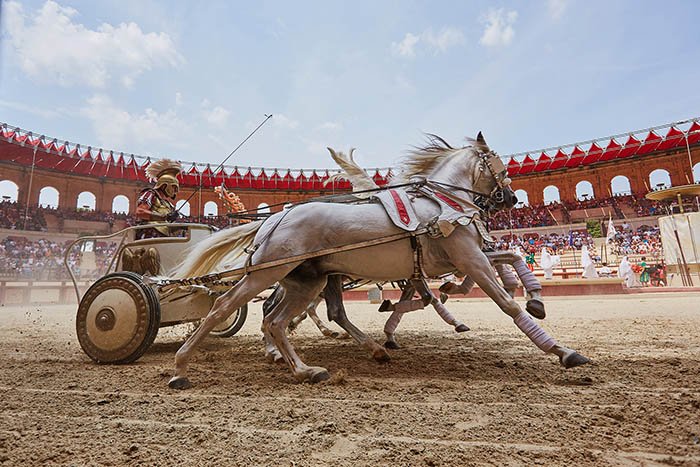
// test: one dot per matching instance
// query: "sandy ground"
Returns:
(483, 397)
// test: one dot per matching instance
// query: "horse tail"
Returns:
(356, 175)
(221, 250)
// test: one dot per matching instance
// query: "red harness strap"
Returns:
(449, 201)
(400, 207)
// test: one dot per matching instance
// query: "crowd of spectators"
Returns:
(14, 216)
(43, 259)
(559, 243)
(645, 240)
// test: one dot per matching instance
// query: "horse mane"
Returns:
(423, 159)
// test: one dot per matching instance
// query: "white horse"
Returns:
(323, 233)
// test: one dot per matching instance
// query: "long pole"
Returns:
(267, 117)
(29, 190)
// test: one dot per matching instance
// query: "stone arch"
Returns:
(696, 173)
(86, 200)
(584, 190)
(211, 208)
(620, 185)
(9, 191)
(659, 179)
(522, 198)
(183, 207)
(551, 194)
(263, 208)
(49, 197)
(120, 204)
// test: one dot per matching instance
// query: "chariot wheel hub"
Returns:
(105, 319)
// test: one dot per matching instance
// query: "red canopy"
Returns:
(576, 157)
(673, 139)
(592, 155)
(631, 147)
(612, 150)
(513, 167)
(559, 161)
(527, 166)
(650, 144)
(694, 133)
(543, 162)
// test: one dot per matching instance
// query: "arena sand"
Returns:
(485, 397)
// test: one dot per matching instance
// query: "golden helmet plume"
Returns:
(164, 170)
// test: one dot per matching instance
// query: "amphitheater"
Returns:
(484, 397)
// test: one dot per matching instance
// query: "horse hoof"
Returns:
(535, 308)
(381, 355)
(319, 375)
(573, 359)
(392, 345)
(179, 383)
(462, 328)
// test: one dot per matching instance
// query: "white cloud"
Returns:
(78, 55)
(117, 128)
(430, 41)
(178, 99)
(557, 8)
(217, 116)
(446, 38)
(330, 126)
(282, 121)
(405, 48)
(499, 27)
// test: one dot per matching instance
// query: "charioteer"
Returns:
(156, 205)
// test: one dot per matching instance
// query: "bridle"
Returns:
(494, 164)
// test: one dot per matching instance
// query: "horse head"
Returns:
(501, 195)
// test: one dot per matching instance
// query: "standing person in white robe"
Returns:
(587, 263)
(624, 271)
(548, 261)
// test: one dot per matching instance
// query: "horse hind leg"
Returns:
(240, 294)
(325, 330)
(333, 294)
(298, 293)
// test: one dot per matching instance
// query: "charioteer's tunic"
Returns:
(150, 198)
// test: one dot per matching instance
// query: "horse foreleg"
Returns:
(479, 268)
(533, 288)
(297, 295)
(244, 291)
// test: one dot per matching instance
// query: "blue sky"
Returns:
(190, 80)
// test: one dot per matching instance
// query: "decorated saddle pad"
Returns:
(400, 209)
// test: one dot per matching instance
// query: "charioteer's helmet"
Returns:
(164, 172)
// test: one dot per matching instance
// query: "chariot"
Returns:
(120, 313)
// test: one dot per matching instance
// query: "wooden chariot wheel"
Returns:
(118, 318)
(232, 324)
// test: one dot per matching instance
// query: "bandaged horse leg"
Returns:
(478, 267)
(393, 322)
(510, 282)
(427, 295)
(333, 294)
(533, 288)
(299, 292)
(244, 291)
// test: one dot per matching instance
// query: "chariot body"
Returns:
(120, 313)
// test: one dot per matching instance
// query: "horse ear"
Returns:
(480, 139)
(333, 155)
